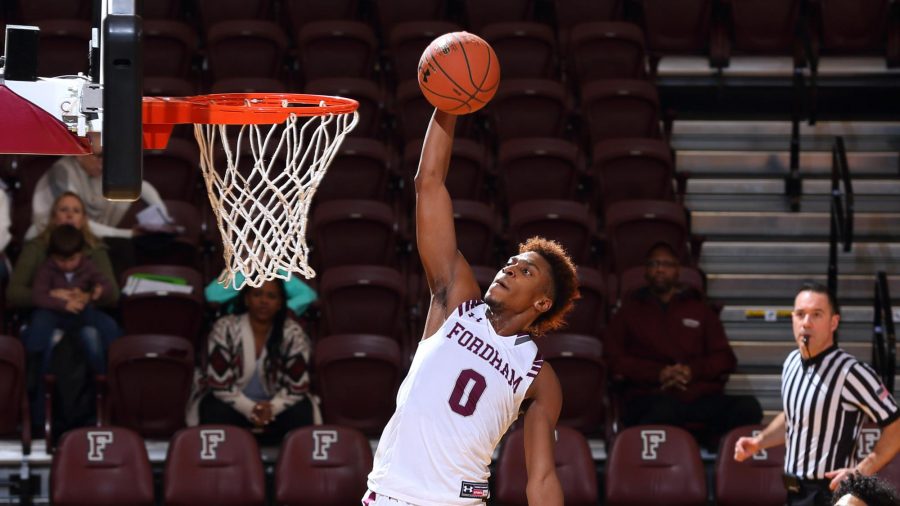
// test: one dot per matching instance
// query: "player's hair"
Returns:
(65, 241)
(869, 489)
(563, 284)
(815, 287)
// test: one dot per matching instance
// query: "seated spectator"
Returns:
(67, 209)
(65, 288)
(257, 375)
(859, 490)
(669, 350)
(82, 175)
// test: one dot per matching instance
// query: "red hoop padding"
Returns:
(160, 114)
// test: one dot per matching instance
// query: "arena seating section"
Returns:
(575, 146)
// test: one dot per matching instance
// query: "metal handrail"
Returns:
(884, 338)
(841, 210)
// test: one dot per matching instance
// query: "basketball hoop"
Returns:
(275, 149)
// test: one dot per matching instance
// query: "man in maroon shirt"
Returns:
(668, 350)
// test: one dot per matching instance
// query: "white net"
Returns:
(262, 195)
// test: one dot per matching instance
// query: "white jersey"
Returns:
(463, 391)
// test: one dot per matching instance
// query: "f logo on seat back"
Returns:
(97, 441)
(210, 439)
(652, 439)
(323, 440)
(762, 454)
(867, 440)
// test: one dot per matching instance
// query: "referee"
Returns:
(827, 396)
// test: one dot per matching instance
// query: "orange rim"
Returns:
(160, 114)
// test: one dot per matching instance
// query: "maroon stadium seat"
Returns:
(477, 229)
(527, 49)
(174, 171)
(32, 11)
(655, 464)
(578, 363)
(246, 48)
(539, 168)
(183, 249)
(324, 465)
(149, 383)
(572, 12)
(480, 13)
(183, 312)
(105, 466)
(169, 87)
(855, 27)
(766, 27)
(363, 298)
(633, 226)
(530, 108)
(589, 315)
(607, 50)
(162, 9)
(683, 28)
(632, 169)
(215, 11)
(620, 108)
(754, 482)
(361, 170)
(407, 41)
(300, 12)
(15, 417)
(249, 85)
(350, 232)
(470, 167)
(63, 47)
(214, 465)
(574, 467)
(392, 13)
(336, 49)
(27, 171)
(568, 222)
(169, 48)
(367, 92)
(358, 379)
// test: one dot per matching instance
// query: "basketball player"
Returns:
(476, 363)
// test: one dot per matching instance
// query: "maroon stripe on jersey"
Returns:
(536, 365)
(467, 306)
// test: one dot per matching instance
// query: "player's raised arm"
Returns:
(449, 276)
(543, 486)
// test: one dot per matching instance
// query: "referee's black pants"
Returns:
(708, 417)
(811, 493)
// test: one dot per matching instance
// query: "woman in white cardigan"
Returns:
(257, 375)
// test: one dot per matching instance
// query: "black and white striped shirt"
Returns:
(826, 400)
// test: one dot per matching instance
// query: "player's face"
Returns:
(263, 302)
(523, 281)
(662, 270)
(69, 211)
(813, 320)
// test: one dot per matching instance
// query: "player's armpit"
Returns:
(540, 423)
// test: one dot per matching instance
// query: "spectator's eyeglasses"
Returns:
(669, 264)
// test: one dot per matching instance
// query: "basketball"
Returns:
(459, 73)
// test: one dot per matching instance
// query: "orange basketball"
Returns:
(459, 73)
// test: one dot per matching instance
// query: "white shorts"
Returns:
(373, 499)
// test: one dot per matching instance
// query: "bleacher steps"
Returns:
(729, 164)
(747, 257)
(731, 288)
(797, 226)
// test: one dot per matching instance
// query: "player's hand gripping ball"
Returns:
(459, 73)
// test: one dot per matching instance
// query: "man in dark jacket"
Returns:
(668, 349)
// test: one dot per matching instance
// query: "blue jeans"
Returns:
(94, 328)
